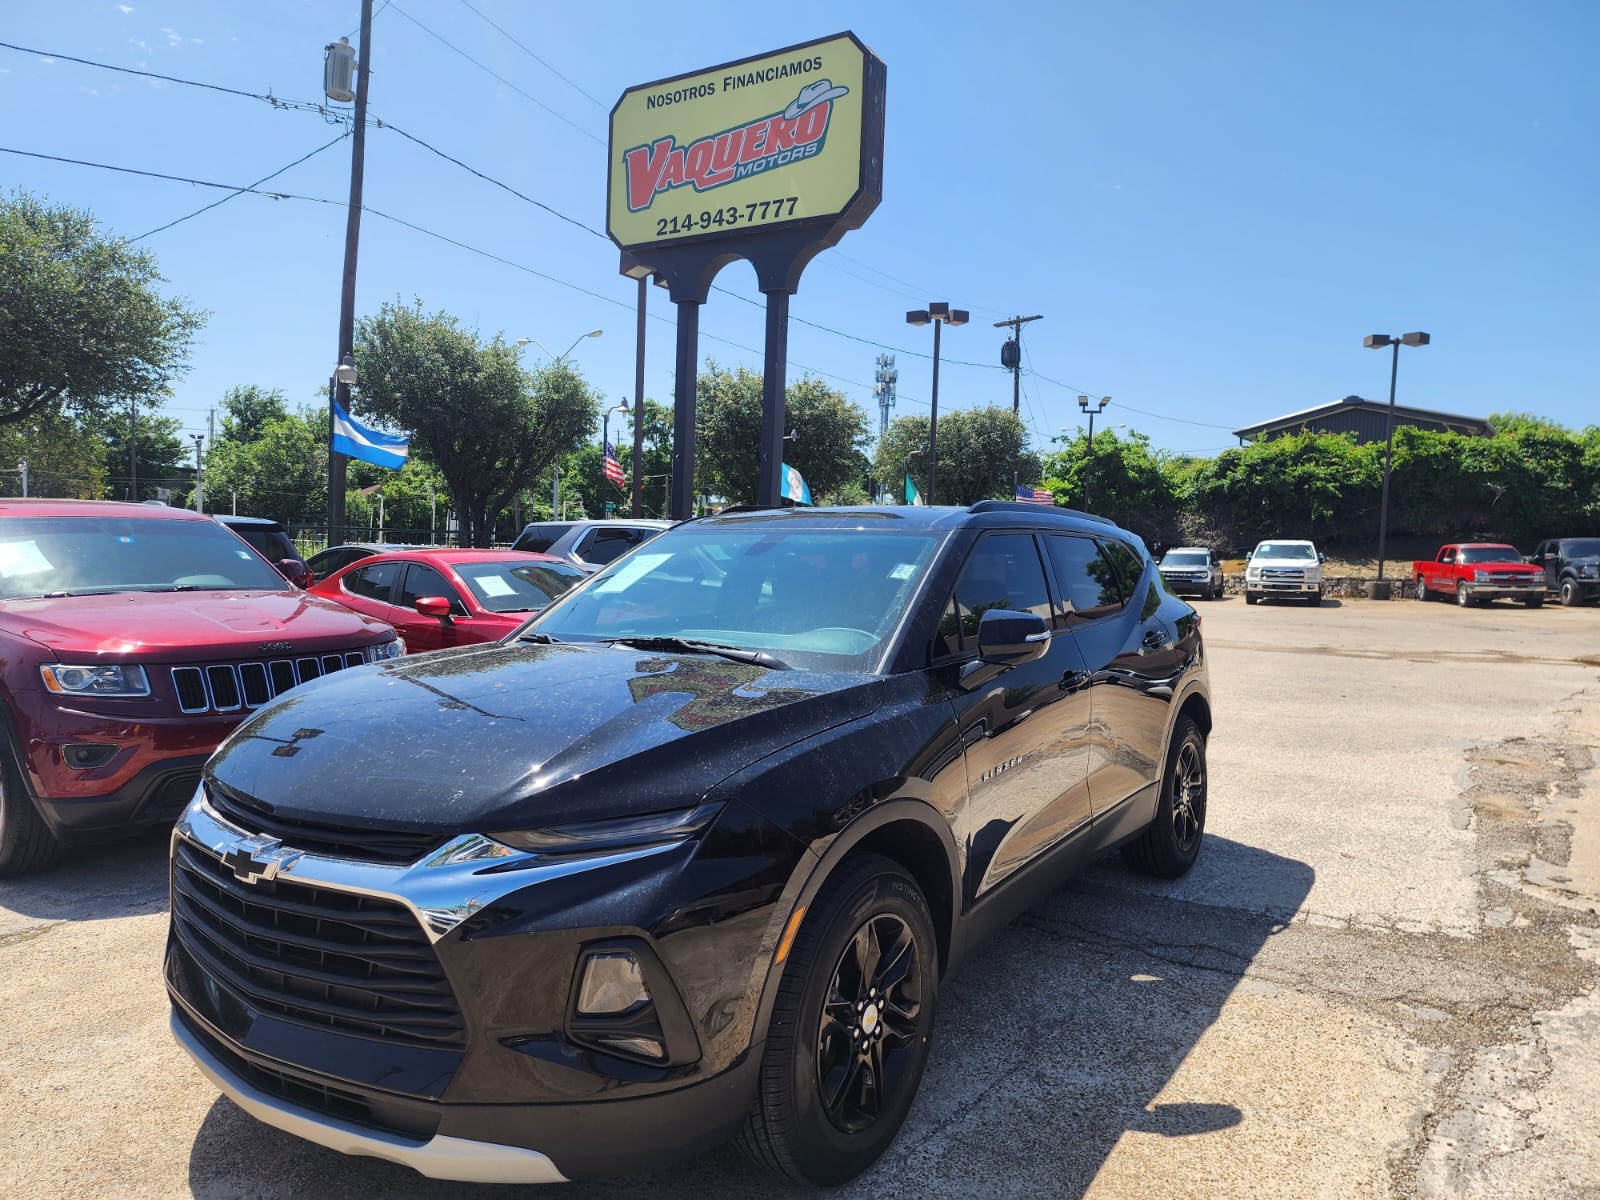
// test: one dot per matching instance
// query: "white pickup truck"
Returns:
(1285, 569)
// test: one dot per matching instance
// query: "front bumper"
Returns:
(1507, 591)
(1275, 587)
(438, 1157)
(508, 1096)
(1180, 585)
(153, 796)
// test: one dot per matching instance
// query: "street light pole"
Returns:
(1377, 341)
(937, 314)
(555, 472)
(907, 473)
(605, 445)
(1088, 458)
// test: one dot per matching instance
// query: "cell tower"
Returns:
(883, 389)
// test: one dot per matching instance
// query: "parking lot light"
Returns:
(1377, 341)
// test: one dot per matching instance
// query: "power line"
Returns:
(268, 97)
(597, 103)
(250, 188)
(227, 187)
(491, 71)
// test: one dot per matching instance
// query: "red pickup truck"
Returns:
(133, 638)
(1478, 572)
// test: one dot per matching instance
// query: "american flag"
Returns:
(613, 469)
(1034, 495)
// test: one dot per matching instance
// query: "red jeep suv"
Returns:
(133, 638)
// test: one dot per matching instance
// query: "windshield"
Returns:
(818, 599)
(517, 586)
(65, 556)
(1185, 558)
(1284, 550)
(1585, 548)
(1488, 554)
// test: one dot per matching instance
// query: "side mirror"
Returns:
(296, 572)
(434, 606)
(1321, 557)
(1007, 638)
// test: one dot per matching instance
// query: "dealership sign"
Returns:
(784, 140)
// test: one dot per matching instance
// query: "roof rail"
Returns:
(1021, 506)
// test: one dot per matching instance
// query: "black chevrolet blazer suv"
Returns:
(688, 856)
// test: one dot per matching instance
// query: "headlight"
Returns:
(66, 680)
(592, 837)
(386, 650)
(1480, 576)
(1590, 570)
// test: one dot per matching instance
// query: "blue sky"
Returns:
(1211, 204)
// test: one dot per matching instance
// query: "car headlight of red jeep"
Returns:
(66, 679)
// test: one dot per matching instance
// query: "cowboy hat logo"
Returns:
(812, 95)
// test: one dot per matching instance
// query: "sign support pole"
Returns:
(774, 378)
(683, 398)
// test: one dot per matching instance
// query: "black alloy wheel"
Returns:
(1170, 844)
(850, 1029)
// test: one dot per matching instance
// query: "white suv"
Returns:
(1288, 569)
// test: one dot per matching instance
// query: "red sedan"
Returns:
(439, 598)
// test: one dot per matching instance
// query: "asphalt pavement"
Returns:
(1380, 979)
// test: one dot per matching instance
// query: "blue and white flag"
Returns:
(912, 495)
(355, 440)
(793, 486)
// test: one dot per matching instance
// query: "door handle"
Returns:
(1073, 680)
(1154, 639)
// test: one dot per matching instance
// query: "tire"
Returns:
(1534, 601)
(1171, 843)
(1252, 598)
(1463, 598)
(1422, 588)
(1568, 592)
(26, 843)
(792, 1129)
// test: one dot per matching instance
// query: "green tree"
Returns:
(164, 458)
(489, 427)
(62, 462)
(281, 472)
(983, 455)
(831, 430)
(81, 320)
(1126, 479)
(246, 409)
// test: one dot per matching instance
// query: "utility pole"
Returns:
(22, 468)
(133, 450)
(883, 388)
(199, 479)
(1011, 356)
(340, 392)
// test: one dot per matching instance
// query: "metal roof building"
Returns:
(1367, 419)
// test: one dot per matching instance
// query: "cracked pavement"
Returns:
(1379, 981)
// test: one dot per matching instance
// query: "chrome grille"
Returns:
(1283, 574)
(228, 687)
(313, 954)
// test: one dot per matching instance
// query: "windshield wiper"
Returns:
(759, 658)
(63, 595)
(542, 639)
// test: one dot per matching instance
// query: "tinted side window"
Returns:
(425, 581)
(1004, 572)
(603, 545)
(1129, 566)
(375, 582)
(539, 538)
(947, 640)
(1088, 584)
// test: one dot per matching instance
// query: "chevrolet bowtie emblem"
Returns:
(260, 858)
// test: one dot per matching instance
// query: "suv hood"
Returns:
(505, 736)
(157, 627)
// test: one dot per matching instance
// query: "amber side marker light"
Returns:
(789, 930)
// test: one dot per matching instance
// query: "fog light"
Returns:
(613, 983)
(85, 756)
